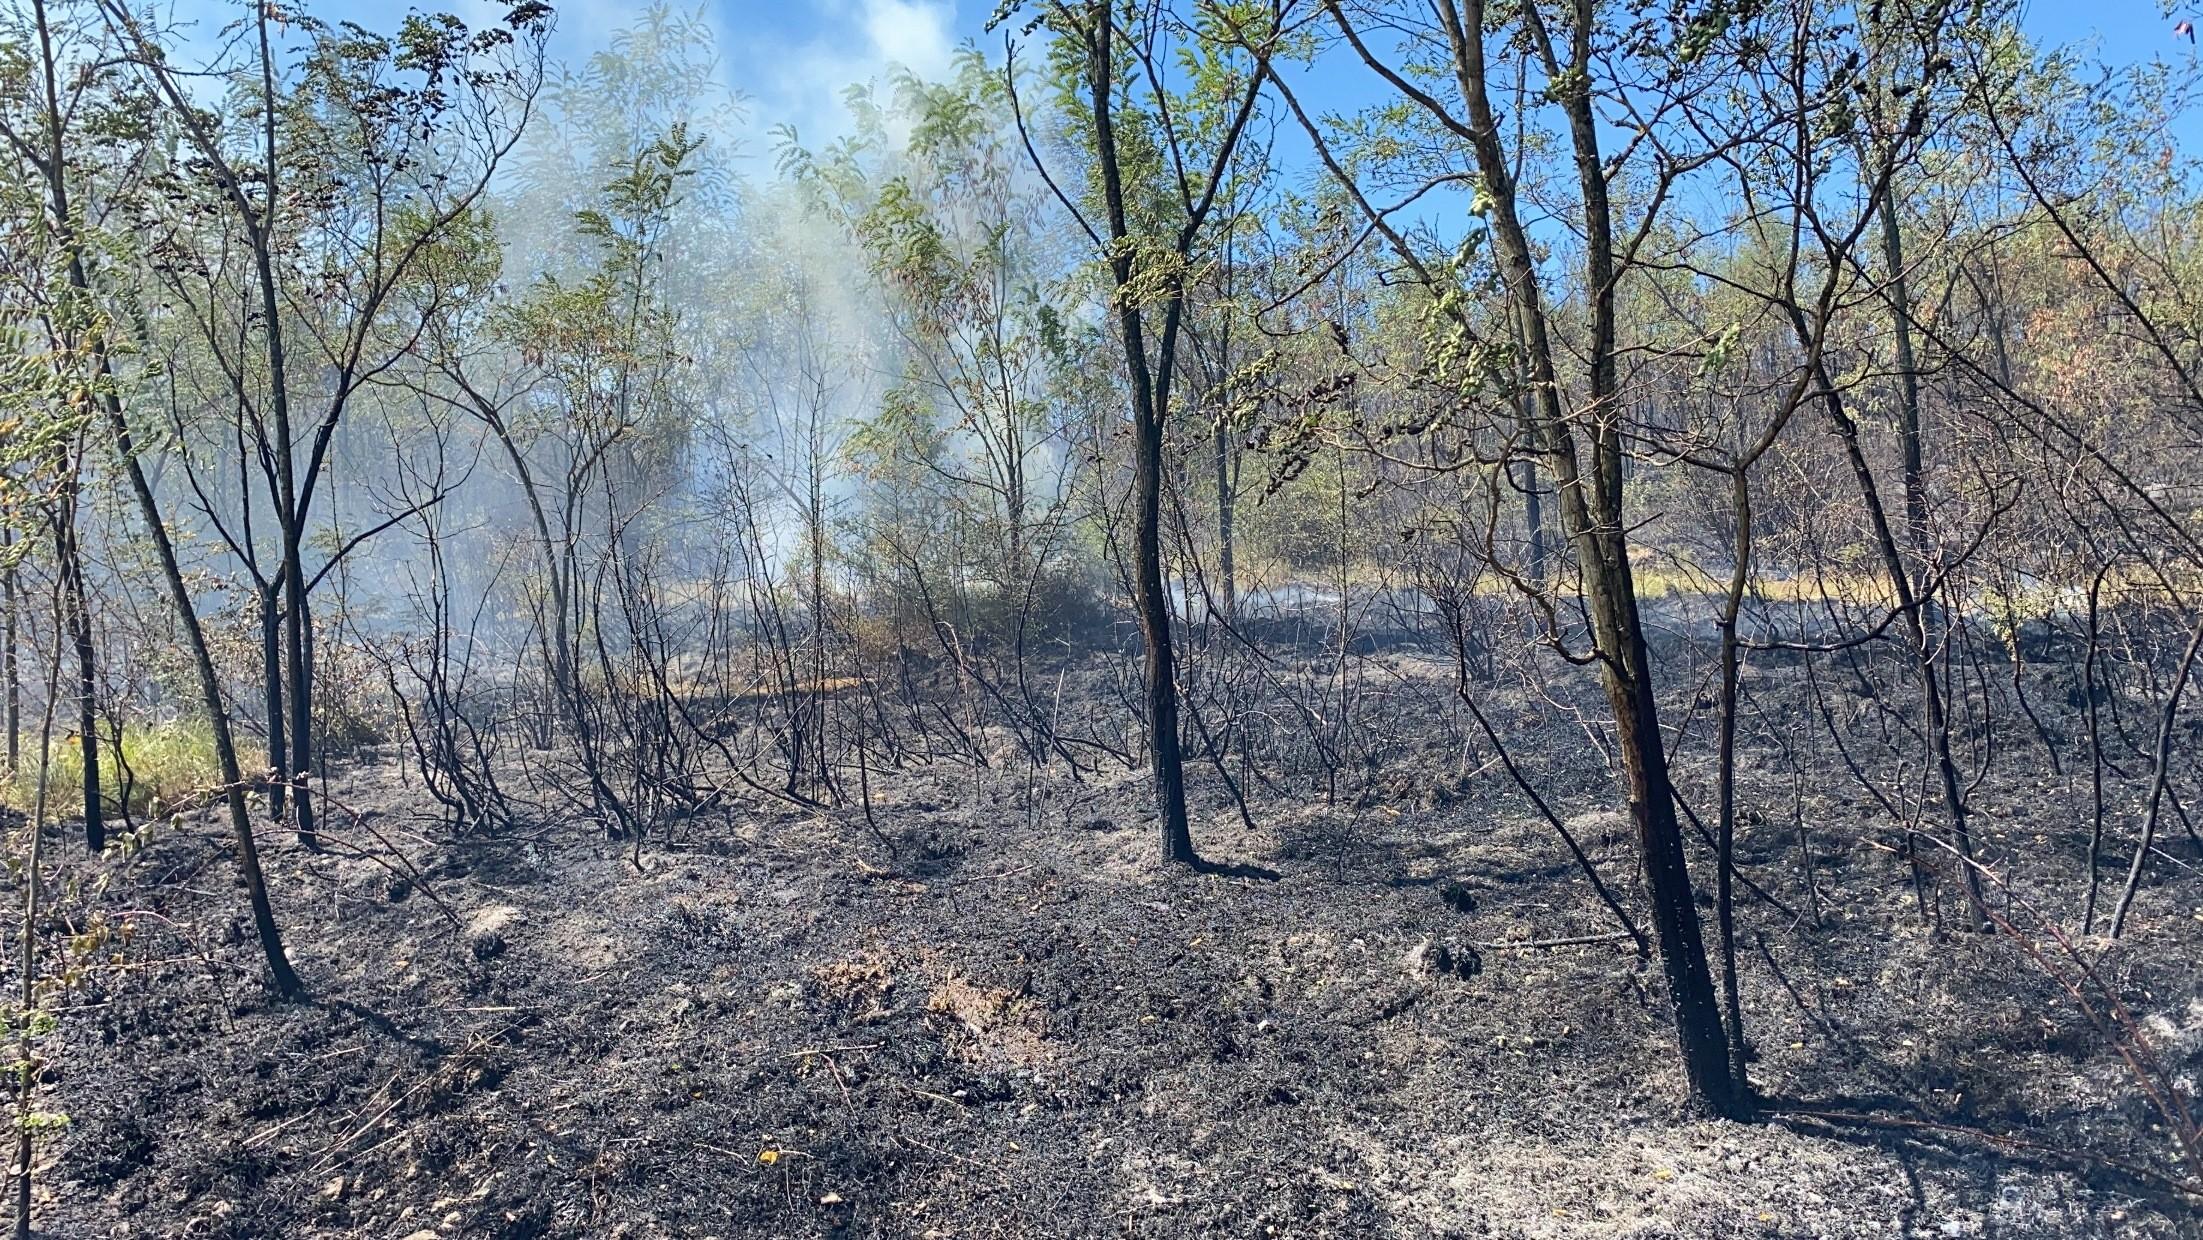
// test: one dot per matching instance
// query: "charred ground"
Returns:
(994, 1016)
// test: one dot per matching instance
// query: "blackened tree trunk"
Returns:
(1914, 587)
(1588, 488)
(1151, 378)
(1596, 524)
(1909, 443)
(1166, 762)
(299, 685)
(290, 512)
(1732, 604)
(77, 616)
(218, 722)
(1225, 549)
(271, 679)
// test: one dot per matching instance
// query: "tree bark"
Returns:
(271, 672)
(78, 618)
(1166, 761)
(1740, 508)
(1591, 515)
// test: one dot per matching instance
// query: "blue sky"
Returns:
(791, 59)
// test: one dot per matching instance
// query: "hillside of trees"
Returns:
(1259, 618)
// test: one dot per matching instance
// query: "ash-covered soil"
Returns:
(1014, 1024)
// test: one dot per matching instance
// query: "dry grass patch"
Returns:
(855, 985)
(989, 1024)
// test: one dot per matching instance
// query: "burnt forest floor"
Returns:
(1014, 1023)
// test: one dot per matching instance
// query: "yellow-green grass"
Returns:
(169, 763)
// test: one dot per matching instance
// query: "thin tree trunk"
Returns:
(1740, 504)
(299, 667)
(271, 674)
(1166, 762)
(210, 692)
(1533, 504)
(2095, 755)
(1226, 549)
(1533, 516)
(2163, 774)
(1591, 511)
(1908, 388)
(77, 615)
(1919, 646)
(298, 673)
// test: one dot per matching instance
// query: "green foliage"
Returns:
(639, 201)
(606, 337)
(49, 380)
(929, 189)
